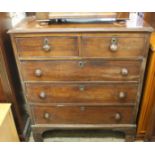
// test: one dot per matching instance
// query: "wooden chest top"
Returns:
(30, 25)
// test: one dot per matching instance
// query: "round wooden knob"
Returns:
(38, 72)
(46, 48)
(113, 47)
(46, 115)
(122, 95)
(42, 95)
(117, 116)
(124, 71)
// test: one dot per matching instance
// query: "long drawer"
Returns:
(82, 115)
(81, 70)
(81, 93)
(47, 46)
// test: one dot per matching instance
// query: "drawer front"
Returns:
(47, 46)
(82, 70)
(81, 93)
(82, 115)
(120, 47)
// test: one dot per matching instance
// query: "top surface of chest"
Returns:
(30, 25)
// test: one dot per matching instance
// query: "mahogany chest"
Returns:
(82, 76)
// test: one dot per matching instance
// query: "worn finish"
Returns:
(72, 70)
(81, 75)
(30, 25)
(126, 47)
(58, 46)
(83, 115)
(78, 93)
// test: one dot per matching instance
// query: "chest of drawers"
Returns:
(81, 76)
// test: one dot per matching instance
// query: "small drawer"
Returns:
(47, 46)
(81, 70)
(82, 115)
(113, 46)
(82, 93)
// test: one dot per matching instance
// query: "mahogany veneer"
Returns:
(82, 76)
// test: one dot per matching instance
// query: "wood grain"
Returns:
(146, 118)
(10, 88)
(30, 25)
(2, 94)
(100, 47)
(71, 70)
(90, 93)
(60, 46)
(90, 115)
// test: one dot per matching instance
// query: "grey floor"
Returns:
(81, 136)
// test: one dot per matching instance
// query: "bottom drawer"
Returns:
(83, 115)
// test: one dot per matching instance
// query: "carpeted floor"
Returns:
(81, 136)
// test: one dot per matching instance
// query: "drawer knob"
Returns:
(117, 116)
(46, 46)
(124, 71)
(122, 95)
(46, 115)
(81, 64)
(114, 45)
(42, 95)
(38, 72)
(81, 88)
